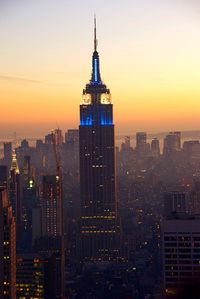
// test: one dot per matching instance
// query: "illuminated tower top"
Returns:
(96, 77)
(14, 164)
(96, 91)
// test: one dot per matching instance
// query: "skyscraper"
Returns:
(36, 276)
(7, 248)
(3, 176)
(51, 222)
(172, 143)
(98, 225)
(51, 240)
(155, 147)
(142, 147)
(14, 190)
(141, 138)
(175, 203)
(30, 206)
(180, 250)
(7, 153)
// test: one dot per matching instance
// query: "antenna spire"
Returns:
(95, 34)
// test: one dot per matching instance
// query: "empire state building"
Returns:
(99, 230)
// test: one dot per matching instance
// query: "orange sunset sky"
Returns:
(149, 54)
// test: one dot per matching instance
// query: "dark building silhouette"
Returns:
(125, 157)
(51, 222)
(155, 147)
(7, 248)
(194, 199)
(175, 203)
(191, 150)
(7, 153)
(51, 247)
(26, 168)
(180, 251)
(36, 276)
(48, 139)
(30, 208)
(98, 225)
(3, 176)
(172, 143)
(48, 241)
(142, 147)
(141, 138)
(25, 144)
(72, 136)
(14, 191)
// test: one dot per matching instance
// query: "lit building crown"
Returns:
(96, 91)
(14, 163)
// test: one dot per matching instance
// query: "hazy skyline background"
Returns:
(149, 55)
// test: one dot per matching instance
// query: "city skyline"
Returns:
(149, 59)
(87, 211)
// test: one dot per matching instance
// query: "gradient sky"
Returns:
(149, 53)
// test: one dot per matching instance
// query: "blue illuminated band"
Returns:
(95, 70)
(96, 115)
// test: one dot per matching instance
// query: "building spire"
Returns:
(95, 34)
(96, 78)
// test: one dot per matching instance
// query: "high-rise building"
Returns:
(141, 138)
(36, 227)
(14, 190)
(191, 149)
(72, 136)
(181, 256)
(52, 248)
(155, 147)
(39, 144)
(70, 152)
(142, 147)
(48, 139)
(36, 277)
(25, 144)
(194, 199)
(30, 206)
(172, 143)
(127, 143)
(51, 221)
(7, 153)
(125, 157)
(50, 240)
(7, 248)
(26, 170)
(98, 223)
(30, 278)
(3, 176)
(180, 243)
(175, 203)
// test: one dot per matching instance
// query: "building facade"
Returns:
(7, 248)
(36, 277)
(181, 253)
(3, 176)
(51, 221)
